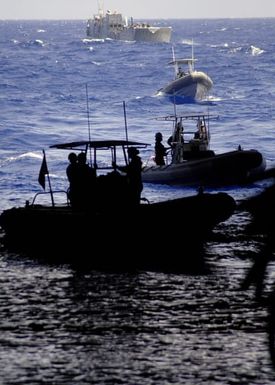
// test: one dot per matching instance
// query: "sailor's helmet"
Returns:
(133, 151)
(158, 136)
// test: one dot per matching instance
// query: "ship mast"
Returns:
(100, 6)
(192, 68)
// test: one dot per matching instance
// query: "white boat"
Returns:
(189, 84)
(191, 162)
(114, 25)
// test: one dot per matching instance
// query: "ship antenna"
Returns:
(193, 62)
(175, 63)
(125, 120)
(88, 117)
(100, 6)
(175, 110)
(88, 113)
(175, 107)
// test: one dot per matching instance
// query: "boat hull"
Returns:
(117, 239)
(235, 167)
(153, 34)
(195, 85)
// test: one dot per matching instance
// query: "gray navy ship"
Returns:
(113, 25)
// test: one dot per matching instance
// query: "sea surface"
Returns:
(63, 326)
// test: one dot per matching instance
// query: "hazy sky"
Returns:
(82, 9)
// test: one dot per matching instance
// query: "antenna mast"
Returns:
(88, 117)
(88, 113)
(193, 62)
(175, 63)
(100, 6)
(125, 121)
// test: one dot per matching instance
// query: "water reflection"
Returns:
(61, 325)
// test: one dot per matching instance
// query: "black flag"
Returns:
(43, 171)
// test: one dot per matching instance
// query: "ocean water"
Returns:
(61, 326)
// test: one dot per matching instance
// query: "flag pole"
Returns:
(49, 181)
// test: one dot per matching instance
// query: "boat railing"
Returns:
(168, 156)
(53, 196)
(150, 161)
